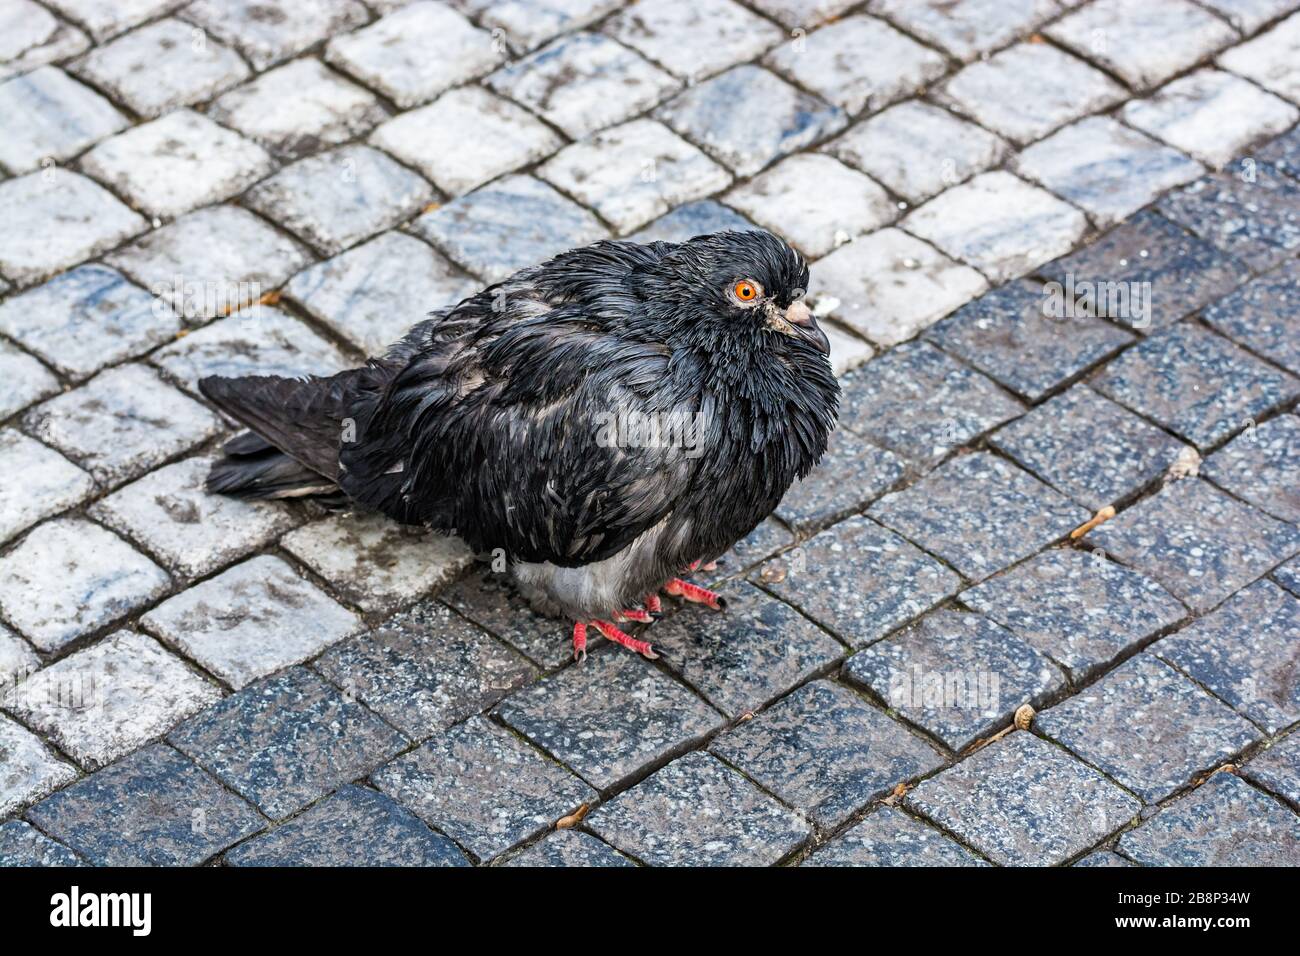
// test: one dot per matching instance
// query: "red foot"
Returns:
(631, 643)
(579, 641)
(699, 565)
(636, 614)
(654, 605)
(695, 594)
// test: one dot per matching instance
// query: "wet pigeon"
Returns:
(602, 422)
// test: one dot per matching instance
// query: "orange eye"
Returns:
(745, 291)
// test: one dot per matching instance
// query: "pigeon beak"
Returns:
(805, 326)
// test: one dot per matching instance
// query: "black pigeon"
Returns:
(603, 422)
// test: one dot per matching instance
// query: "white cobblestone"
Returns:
(192, 531)
(816, 202)
(177, 163)
(415, 53)
(109, 699)
(121, 423)
(1271, 60)
(69, 577)
(50, 483)
(162, 66)
(251, 621)
(17, 659)
(530, 23)
(374, 562)
(432, 139)
(30, 36)
(1000, 224)
(372, 294)
(918, 150)
(268, 31)
(46, 116)
(1211, 114)
(106, 18)
(968, 28)
(23, 380)
(28, 770)
(694, 38)
(888, 286)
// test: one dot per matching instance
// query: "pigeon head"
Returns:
(740, 286)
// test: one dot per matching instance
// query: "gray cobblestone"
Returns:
(1255, 315)
(1211, 114)
(690, 220)
(194, 532)
(21, 844)
(483, 787)
(75, 218)
(485, 597)
(1148, 727)
(1226, 822)
(211, 262)
(1029, 90)
(858, 580)
(1011, 335)
(33, 37)
(1081, 610)
(1144, 43)
(113, 425)
(858, 63)
(1278, 769)
(45, 117)
(1088, 447)
(565, 848)
(888, 286)
(354, 827)
(1106, 168)
(415, 53)
(790, 120)
(260, 340)
(1023, 802)
(285, 741)
(153, 808)
(69, 577)
(960, 676)
(697, 811)
(979, 513)
(584, 82)
(1197, 542)
(425, 669)
(889, 837)
(635, 172)
(826, 751)
(610, 717)
(224, 623)
(1179, 271)
(744, 658)
(23, 380)
(1262, 466)
(1195, 383)
(694, 38)
(1257, 220)
(267, 31)
(28, 770)
(815, 201)
(1228, 652)
(177, 163)
(337, 199)
(999, 224)
(850, 475)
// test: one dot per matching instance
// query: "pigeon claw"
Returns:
(636, 614)
(695, 594)
(579, 642)
(611, 633)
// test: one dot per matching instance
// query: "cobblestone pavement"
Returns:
(1057, 246)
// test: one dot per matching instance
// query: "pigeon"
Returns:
(602, 423)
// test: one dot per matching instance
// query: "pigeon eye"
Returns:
(745, 290)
